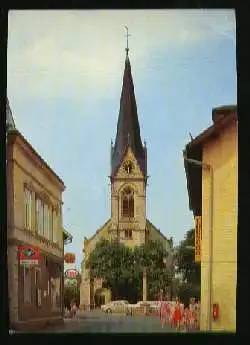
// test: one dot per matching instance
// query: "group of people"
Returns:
(179, 316)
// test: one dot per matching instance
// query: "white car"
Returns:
(115, 307)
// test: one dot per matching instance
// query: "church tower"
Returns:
(128, 170)
(128, 176)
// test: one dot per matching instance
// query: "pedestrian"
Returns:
(186, 319)
(73, 309)
(177, 314)
(164, 311)
(192, 314)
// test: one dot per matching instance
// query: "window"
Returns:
(128, 202)
(39, 216)
(27, 284)
(128, 234)
(27, 208)
(54, 226)
(50, 237)
(45, 221)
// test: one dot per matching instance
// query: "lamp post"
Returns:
(209, 168)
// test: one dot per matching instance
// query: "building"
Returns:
(211, 164)
(34, 218)
(128, 177)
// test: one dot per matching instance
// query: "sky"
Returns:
(65, 71)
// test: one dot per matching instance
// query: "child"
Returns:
(177, 314)
(163, 312)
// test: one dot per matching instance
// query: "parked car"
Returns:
(116, 307)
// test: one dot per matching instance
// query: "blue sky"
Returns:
(65, 72)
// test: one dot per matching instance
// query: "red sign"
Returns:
(71, 273)
(70, 258)
(29, 254)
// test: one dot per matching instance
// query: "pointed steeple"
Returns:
(128, 129)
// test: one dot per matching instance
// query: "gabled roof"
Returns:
(150, 224)
(10, 123)
(222, 117)
(16, 135)
(128, 128)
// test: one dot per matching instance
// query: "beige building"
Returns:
(128, 176)
(213, 195)
(34, 219)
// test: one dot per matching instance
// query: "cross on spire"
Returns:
(127, 35)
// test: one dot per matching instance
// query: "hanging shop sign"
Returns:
(71, 273)
(70, 258)
(29, 255)
(198, 235)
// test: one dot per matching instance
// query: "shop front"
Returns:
(40, 288)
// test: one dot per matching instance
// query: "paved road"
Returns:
(97, 322)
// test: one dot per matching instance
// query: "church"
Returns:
(128, 177)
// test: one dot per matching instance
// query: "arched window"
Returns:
(128, 202)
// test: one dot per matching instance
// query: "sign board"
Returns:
(72, 274)
(29, 255)
(70, 258)
(198, 236)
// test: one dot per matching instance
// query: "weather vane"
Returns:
(127, 35)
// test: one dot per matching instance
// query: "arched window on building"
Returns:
(128, 202)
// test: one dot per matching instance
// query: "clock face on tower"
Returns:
(128, 167)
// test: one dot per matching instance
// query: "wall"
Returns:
(222, 154)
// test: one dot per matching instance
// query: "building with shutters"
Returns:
(34, 220)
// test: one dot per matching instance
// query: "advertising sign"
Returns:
(29, 255)
(70, 258)
(198, 235)
(72, 274)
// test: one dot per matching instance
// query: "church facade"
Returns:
(128, 177)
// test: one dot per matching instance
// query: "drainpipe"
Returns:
(210, 236)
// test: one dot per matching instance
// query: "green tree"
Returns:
(71, 292)
(153, 256)
(186, 259)
(121, 268)
(188, 268)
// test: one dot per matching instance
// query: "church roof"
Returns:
(128, 128)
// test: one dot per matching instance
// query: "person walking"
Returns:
(192, 314)
(177, 314)
(73, 309)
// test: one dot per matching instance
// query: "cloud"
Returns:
(77, 54)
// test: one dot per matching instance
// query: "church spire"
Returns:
(128, 129)
(127, 48)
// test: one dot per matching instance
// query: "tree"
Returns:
(113, 262)
(189, 269)
(71, 292)
(121, 268)
(186, 259)
(153, 257)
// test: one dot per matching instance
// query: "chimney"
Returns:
(221, 112)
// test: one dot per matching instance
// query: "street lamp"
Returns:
(210, 235)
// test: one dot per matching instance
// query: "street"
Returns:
(98, 322)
